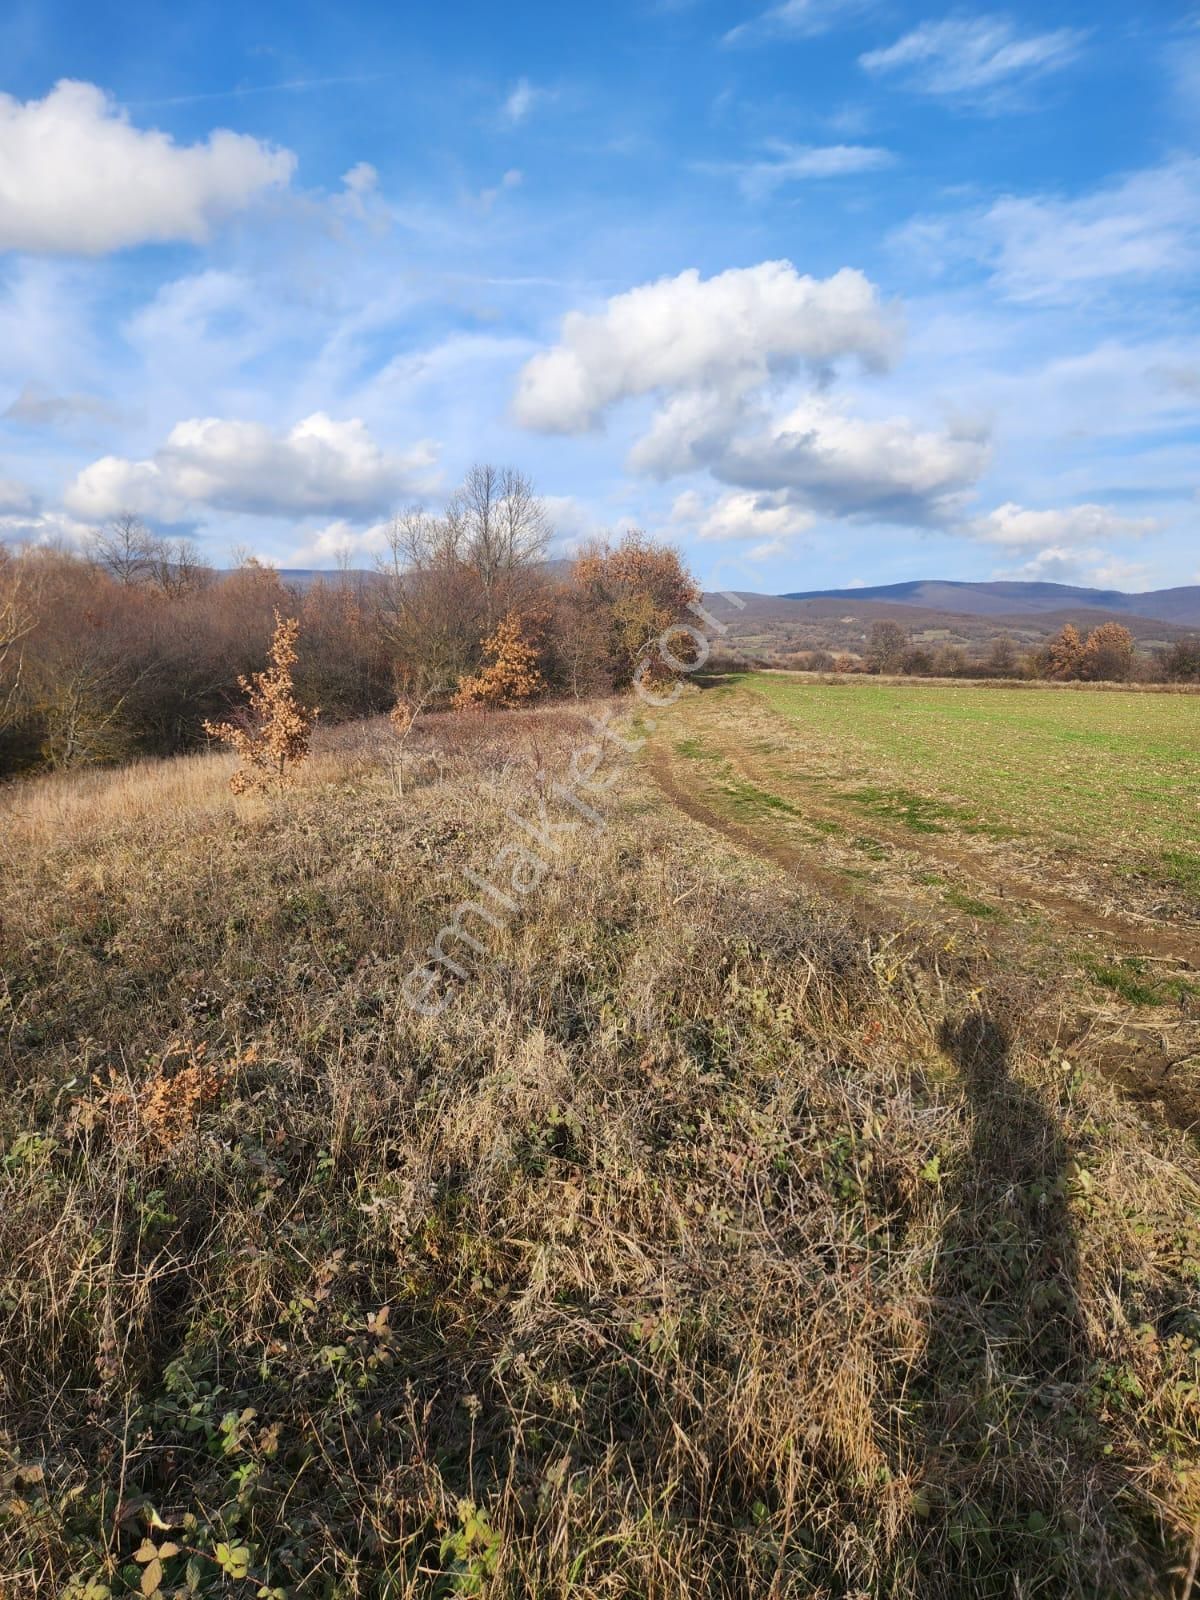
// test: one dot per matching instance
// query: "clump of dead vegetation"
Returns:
(703, 1247)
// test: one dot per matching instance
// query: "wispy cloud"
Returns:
(1050, 248)
(800, 18)
(791, 163)
(521, 101)
(984, 58)
(243, 91)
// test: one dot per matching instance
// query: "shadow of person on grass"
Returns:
(1017, 1483)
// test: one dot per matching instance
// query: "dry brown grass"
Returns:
(702, 1247)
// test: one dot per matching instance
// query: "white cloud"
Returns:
(512, 179)
(842, 465)
(45, 528)
(1047, 248)
(521, 100)
(574, 524)
(689, 432)
(14, 496)
(732, 331)
(1145, 225)
(340, 541)
(77, 177)
(741, 514)
(1094, 568)
(358, 199)
(980, 59)
(801, 19)
(790, 163)
(1017, 528)
(362, 179)
(1116, 573)
(320, 465)
(714, 351)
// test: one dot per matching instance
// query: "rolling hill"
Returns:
(1180, 606)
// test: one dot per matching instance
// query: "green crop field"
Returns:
(1070, 815)
(1117, 772)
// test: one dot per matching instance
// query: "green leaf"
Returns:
(233, 1559)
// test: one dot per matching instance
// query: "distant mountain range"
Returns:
(1004, 599)
(1011, 601)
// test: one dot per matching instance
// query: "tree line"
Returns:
(1108, 653)
(133, 644)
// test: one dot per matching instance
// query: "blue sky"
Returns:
(826, 291)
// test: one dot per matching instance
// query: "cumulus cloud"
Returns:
(732, 331)
(820, 457)
(980, 59)
(319, 466)
(887, 470)
(789, 163)
(77, 177)
(340, 541)
(44, 528)
(1095, 568)
(742, 515)
(1018, 528)
(715, 352)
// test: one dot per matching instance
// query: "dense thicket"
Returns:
(130, 646)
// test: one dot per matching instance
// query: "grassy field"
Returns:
(710, 1242)
(1081, 810)
(1117, 774)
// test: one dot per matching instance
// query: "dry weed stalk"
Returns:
(275, 731)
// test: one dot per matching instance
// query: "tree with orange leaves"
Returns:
(639, 588)
(273, 733)
(511, 676)
(1062, 655)
(1108, 654)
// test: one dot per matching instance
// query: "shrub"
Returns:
(273, 733)
(1181, 662)
(511, 677)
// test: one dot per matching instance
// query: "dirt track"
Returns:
(1154, 1053)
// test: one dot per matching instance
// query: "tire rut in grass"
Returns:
(1130, 935)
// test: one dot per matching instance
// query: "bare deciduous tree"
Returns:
(505, 534)
(18, 615)
(176, 567)
(429, 603)
(129, 552)
(125, 549)
(447, 580)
